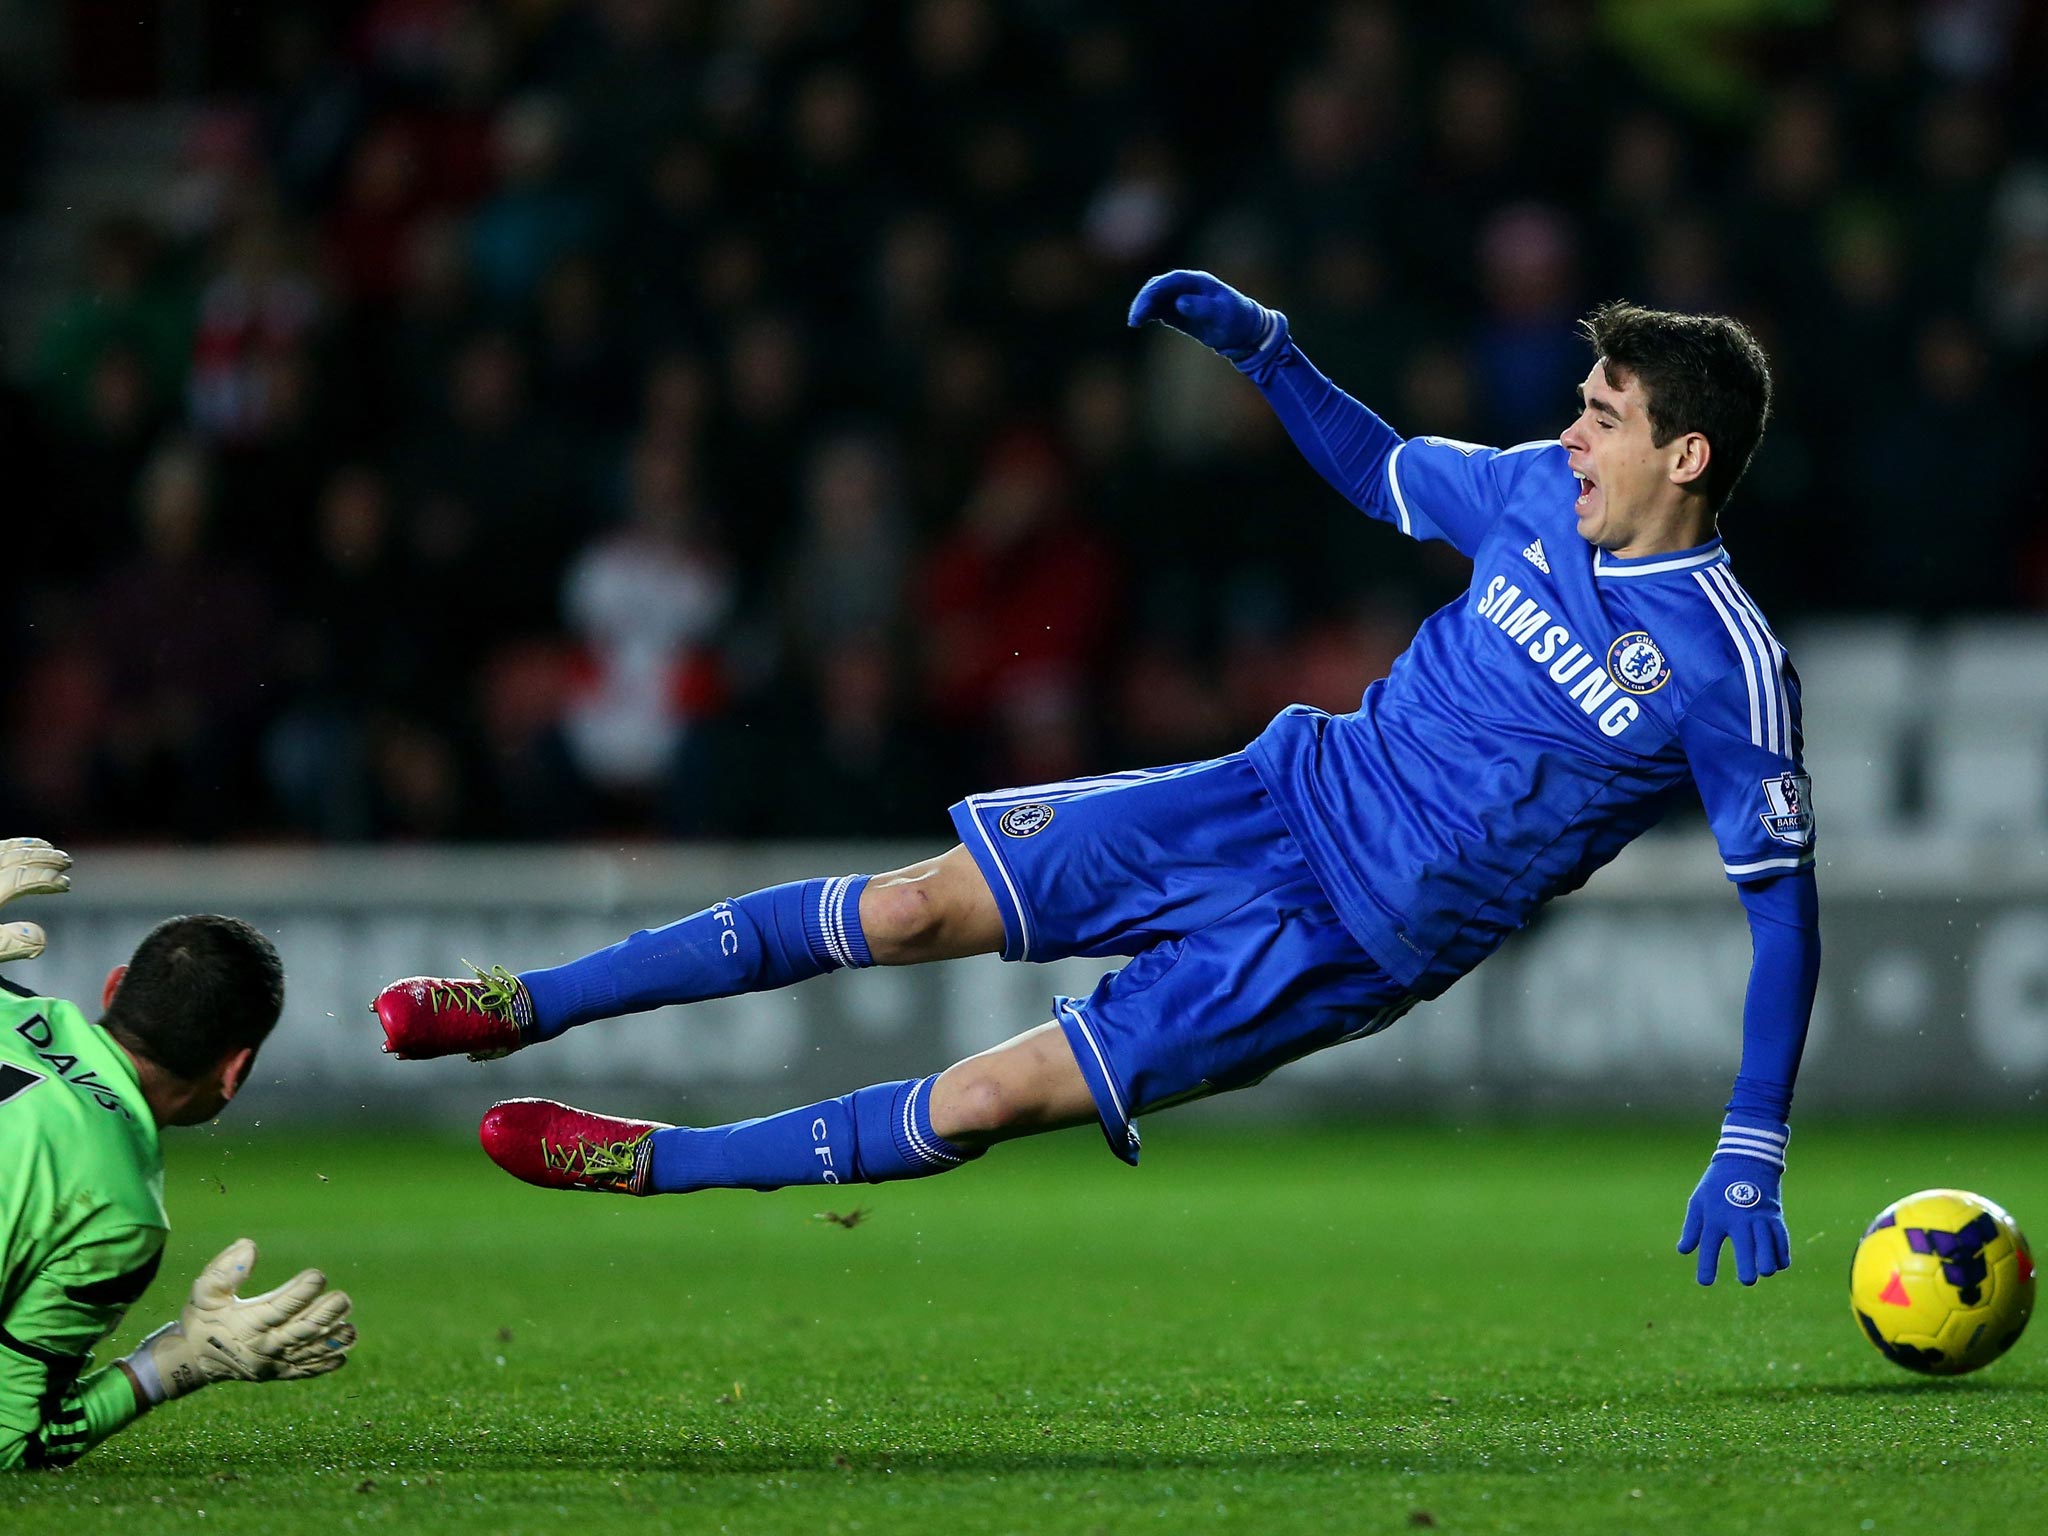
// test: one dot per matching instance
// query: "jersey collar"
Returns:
(1709, 553)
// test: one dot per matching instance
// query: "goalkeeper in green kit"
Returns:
(82, 1222)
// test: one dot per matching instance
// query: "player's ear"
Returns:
(1690, 455)
(234, 1071)
(112, 986)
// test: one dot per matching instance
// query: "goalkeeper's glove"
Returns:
(1211, 311)
(299, 1329)
(1738, 1200)
(28, 867)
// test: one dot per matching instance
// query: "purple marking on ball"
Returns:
(1962, 1253)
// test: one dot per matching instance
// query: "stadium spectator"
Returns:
(496, 517)
(846, 576)
(184, 642)
(1528, 281)
(342, 663)
(255, 323)
(1905, 461)
(647, 603)
(537, 215)
(1015, 609)
(126, 304)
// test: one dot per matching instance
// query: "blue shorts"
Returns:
(1240, 962)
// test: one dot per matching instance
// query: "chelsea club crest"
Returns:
(1025, 820)
(1636, 664)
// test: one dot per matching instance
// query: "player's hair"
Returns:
(1700, 373)
(197, 988)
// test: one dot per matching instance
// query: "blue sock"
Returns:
(772, 938)
(870, 1136)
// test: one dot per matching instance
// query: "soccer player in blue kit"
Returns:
(1314, 887)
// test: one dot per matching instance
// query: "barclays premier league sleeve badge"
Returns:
(1789, 818)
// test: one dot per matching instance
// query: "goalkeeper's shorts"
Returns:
(1240, 963)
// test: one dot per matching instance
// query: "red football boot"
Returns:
(426, 1016)
(557, 1147)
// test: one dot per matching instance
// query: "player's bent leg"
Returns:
(875, 1135)
(1028, 1084)
(768, 938)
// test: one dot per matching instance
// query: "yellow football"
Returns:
(1942, 1282)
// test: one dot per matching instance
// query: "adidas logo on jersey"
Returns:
(1534, 555)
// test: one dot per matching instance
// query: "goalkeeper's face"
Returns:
(209, 1095)
(1630, 486)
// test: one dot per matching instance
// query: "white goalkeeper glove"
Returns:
(28, 867)
(299, 1329)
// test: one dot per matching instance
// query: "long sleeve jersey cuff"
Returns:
(1784, 927)
(110, 1404)
(73, 1424)
(1260, 356)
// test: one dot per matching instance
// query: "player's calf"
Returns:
(753, 943)
(765, 939)
(938, 909)
(875, 1135)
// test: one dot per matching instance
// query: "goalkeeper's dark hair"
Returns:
(1700, 373)
(197, 989)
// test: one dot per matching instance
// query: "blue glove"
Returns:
(1211, 311)
(1738, 1200)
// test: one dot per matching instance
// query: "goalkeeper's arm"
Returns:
(49, 1417)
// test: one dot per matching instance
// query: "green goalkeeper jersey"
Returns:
(82, 1225)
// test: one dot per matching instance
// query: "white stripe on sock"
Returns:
(918, 1144)
(825, 921)
(839, 920)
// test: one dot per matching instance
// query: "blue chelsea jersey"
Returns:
(1538, 724)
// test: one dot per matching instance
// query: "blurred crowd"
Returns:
(717, 419)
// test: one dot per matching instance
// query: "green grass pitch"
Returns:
(1357, 1330)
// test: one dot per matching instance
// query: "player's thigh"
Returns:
(1114, 863)
(936, 909)
(1222, 1007)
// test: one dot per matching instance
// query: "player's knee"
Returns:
(901, 920)
(978, 1107)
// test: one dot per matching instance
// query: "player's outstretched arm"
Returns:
(1738, 1198)
(29, 867)
(1342, 440)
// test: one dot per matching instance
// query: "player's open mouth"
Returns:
(1585, 492)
